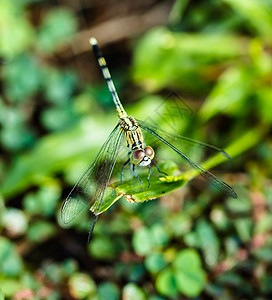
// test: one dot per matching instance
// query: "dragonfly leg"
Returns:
(158, 168)
(153, 173)
(149, 171)
(134, 173)
(122, 171)
(93, 222)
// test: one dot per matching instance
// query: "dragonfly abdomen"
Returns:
(106, 74)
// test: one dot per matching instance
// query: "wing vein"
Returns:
(90, 188)
(219, 184)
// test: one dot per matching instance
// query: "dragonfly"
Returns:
(89, 191)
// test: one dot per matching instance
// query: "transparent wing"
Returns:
(163, 136)
(198, 151)
(89, 190)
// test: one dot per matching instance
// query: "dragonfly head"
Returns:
(142, 157)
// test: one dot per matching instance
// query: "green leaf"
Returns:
(2, 297)
(191, 239)
(155, 262)
(16, 32)
(159, 234)
(231, 278)
(220, 218)
(190, 283)
(209, 242)
(28, 280)
(15, 221)
(102, 247)
(110, 197)
(44, 201)
(243, 206)
(230, 94)
(57, 28)
(249, 139)
(81, 285)
(136, 272)
(143, 241)
(244, 228)
(264, 96)
(264, 254)
(155, 298)
(15, 137)
(178, 10)
(108, 290)
(258, 14)
(170, 59)
(22, 78)
(57, 118)
(263, 225)
(10, 262)
(53, 272)
(180, 224)
(59, 86)
(133, 191)
(187, 259)
(56, 152)
(9, 287)
(231, 246)
(69, 266)
(131, 291)
(166, 283)
(40, 231)
(189, 275)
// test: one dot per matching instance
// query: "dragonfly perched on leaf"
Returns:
(91, 187)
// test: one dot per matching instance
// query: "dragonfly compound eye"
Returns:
(137, 156)
(149, 152)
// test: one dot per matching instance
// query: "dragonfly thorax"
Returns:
(128, 124)
(132, 133)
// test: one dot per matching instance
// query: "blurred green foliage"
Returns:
(194, 242)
